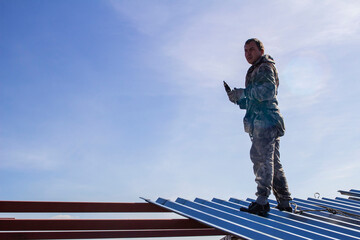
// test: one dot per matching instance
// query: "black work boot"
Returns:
(256, 208)
(287, 209)
(284, 206)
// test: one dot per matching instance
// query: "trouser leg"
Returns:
(280, 186)
(268, 170)
(262, 156)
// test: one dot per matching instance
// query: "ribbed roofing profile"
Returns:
(315, 218)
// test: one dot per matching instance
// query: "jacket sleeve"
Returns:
(263, 87)
(242, 103)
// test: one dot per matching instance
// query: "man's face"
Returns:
(252, 52)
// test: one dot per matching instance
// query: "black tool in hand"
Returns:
(227, 88)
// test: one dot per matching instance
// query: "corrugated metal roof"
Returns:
(323, 218)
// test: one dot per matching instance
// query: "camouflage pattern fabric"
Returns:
(269, 174)
(265, 125)
(261, 89)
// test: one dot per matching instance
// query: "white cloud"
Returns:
(333, 175)
(206, 43)
(334, 20)
(304, 79)
(147, 16)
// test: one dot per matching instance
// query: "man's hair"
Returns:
(259, 44)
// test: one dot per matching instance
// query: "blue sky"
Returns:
(115, 100)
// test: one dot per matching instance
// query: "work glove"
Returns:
(236, 94)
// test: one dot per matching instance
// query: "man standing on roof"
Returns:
(265, 125)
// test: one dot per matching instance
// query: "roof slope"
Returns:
(315, 218)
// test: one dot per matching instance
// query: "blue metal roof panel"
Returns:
(326, 216)
(352, 192)
(296, 221)
(320, 218)
(211, 220)
(338, 206)
(309, 206)
(343, 201)
(321, 222)
(275, 229)
(280, 222)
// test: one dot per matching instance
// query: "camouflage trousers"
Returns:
(268, 170)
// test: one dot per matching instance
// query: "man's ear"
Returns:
(262, 52)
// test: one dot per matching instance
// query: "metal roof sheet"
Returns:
(315, 218)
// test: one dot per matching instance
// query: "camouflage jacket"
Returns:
(262, 111)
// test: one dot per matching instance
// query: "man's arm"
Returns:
(242, 103)
(234, 95)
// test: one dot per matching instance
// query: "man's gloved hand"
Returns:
(236, 94)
